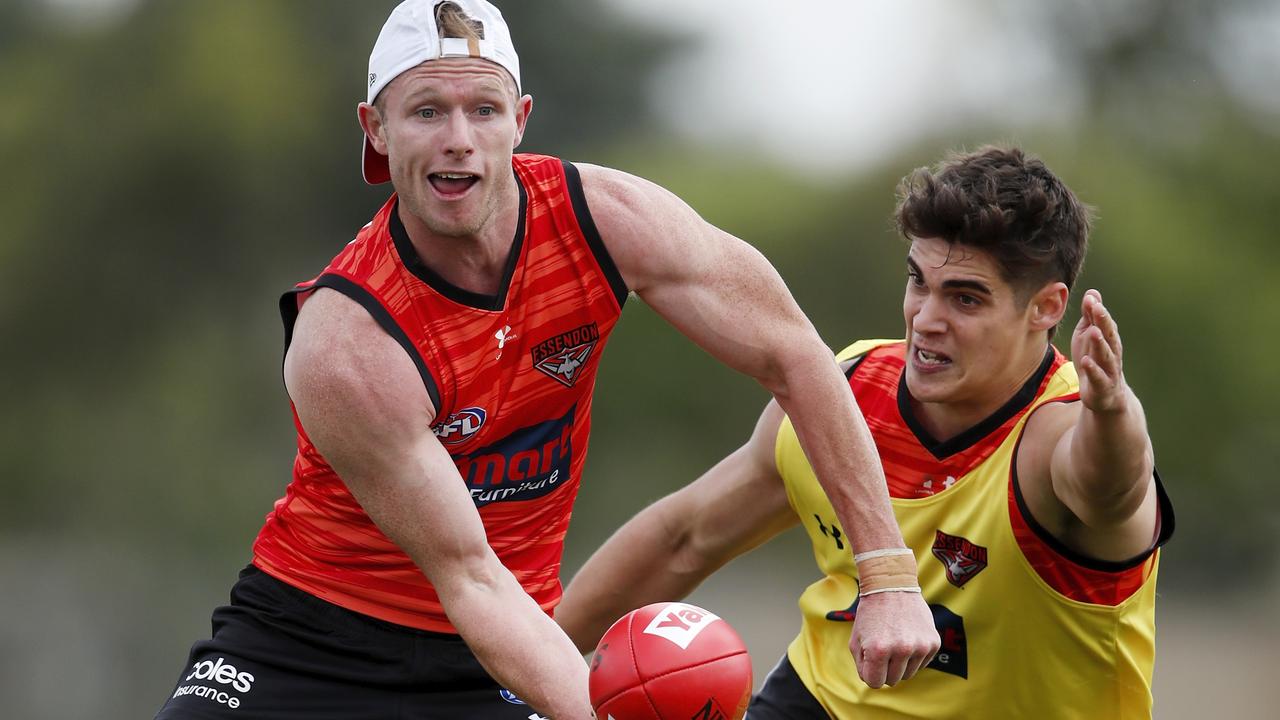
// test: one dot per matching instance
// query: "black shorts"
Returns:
(278, 652)
(785, 697)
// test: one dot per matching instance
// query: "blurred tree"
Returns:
(170, 169)
(1139, 60)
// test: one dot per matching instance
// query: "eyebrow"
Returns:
(488, 90)
(973, 285)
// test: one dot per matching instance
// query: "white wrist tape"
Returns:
(889, 589)
(884, 552)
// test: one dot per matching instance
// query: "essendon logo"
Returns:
(564, 356)
(961, 558)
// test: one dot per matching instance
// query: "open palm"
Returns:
(1097, 353)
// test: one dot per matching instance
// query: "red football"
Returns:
(670, 661)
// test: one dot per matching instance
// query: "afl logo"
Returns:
(460, 426)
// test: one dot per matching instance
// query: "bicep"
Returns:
(714, 288)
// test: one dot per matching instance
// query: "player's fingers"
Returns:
(923, 656)
(1110, 331)
(896, 668)
(1089, 307)
(1083, 322)
(914, 663)
(1088, 367)
(1102, 354)
(875, 664)
(855, 649)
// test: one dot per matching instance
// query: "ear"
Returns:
(524, 107)
(372, 124)
(1048, 305)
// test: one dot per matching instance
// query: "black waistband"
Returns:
(259, 590)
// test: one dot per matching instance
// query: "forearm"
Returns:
(839, 446)
(643, 562)
(1110, 453)
(526, 652)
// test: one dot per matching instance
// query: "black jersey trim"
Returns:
(409, 256)
(967, 439)
(587, 224)
(289, 311)
(856, 362)
(289, 314)
(1164, 516)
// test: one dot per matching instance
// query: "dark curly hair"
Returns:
(1004, 202)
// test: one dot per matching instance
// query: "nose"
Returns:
(927, 315)
(459, 141)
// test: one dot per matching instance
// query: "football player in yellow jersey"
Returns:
(1024, 484)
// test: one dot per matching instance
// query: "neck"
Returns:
(473, 261)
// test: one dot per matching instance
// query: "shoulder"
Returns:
(610, 185)
(648, 230)
(1041, 433)
(341, 360)
(625, 203)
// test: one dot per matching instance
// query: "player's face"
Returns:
(450, 128)
(971, 343)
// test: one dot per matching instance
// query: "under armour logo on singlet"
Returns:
(503, 336)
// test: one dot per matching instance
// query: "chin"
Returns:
(928, 388)
(448, 222)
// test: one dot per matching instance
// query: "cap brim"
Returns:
(375, 166)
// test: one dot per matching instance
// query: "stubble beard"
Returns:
(467, 225)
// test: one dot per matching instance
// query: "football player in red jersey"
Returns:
(1027, 493)
(440, 370)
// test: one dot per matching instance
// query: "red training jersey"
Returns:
(511, 378)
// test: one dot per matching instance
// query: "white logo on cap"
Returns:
(680, 623)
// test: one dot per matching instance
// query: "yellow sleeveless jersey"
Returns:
(1028, 630)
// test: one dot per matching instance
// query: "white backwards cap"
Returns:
(410, 37)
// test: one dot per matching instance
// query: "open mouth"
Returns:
(930, 359)
(452, 184)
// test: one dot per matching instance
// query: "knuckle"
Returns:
(875, 651)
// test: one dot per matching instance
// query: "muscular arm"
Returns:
(665, 551)
(1088, 467)
(723, 294)
(363, 404)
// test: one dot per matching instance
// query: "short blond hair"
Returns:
(452, 22)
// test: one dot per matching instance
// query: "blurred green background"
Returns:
(167, 168)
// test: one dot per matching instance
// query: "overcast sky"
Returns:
(836, 85)
(851, 82)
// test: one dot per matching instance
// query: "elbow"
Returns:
(798, 365)
(1116, 505)
(691, 554)
(686, 555)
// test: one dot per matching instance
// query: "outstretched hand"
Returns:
(893, 637)
(1098, 356)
